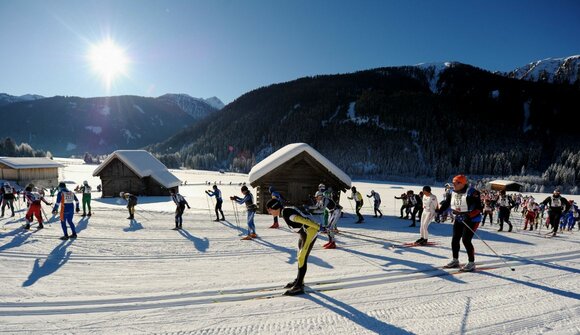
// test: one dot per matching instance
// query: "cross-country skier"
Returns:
(331, 213)
(8, 195)
(217, 193)
(358, 199)
(376, 203)
(35, 209)
(308, 231)
(251, 208)
(276, 195)
(86, 191)
(430, 206)
(416, 200)
(505, 204)
(180, 204)
(66, 200)
(131, 203)
(466, 204)
(557, 205)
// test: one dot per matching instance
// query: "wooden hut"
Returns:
(136, 172)
(42, 172)
(507, 185)
(295, 171)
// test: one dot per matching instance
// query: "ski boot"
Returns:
(469, 267)
(453, 264)
(295, 290)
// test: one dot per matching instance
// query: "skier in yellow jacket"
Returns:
(308, 231)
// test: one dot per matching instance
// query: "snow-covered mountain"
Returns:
(6, 99)
(196, 107)
(552, 70)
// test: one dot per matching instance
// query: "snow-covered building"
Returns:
(507, 185)
(137, 172)
(295, 171)
(42, 172)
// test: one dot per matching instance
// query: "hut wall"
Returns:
(116, 177)
(42, 177)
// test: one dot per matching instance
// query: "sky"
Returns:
(226, 48)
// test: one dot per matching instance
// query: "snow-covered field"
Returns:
(123, 278)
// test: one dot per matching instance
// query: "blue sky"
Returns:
(227, 48)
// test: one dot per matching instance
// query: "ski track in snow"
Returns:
(144, 278)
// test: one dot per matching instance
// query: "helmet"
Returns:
(85, 182)
(319, 194)
(121, 194)
(244, 188)
(61, 185)
(460, 178)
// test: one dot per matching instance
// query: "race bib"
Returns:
(68, 197)
(459, 202)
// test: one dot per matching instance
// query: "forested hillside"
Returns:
(421, 122)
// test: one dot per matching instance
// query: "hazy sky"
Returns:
(227, 48)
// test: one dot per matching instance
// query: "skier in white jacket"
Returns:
(430, 206)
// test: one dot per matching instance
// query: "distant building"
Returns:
(295, 171)
(42, 172)
(507, 185)
(137, 172)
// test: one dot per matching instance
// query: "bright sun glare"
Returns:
(108, 60)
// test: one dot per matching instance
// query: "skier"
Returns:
(180, 202)
(251, 208)
(35, 208)
(430, 207)
(377, 203)
(217, 193)
(466, 204)
(505, 204)
(416, 200)
(64, 200)
(331, 212)
(8, 194)
(308, 231)
(358, 202)
(532, 210)
(276, 195)
(131, 203)
(557, 205)
(86, 191)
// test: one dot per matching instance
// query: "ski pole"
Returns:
(487, 245)
(237, 219)
(208, 208)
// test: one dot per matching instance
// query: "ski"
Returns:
(413, 244)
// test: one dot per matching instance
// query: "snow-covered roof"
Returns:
(288, 152)
(29, 162)
(503, 182)
(144, 165)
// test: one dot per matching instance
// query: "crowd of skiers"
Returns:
(465, 206)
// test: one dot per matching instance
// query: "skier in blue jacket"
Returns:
(65, 203)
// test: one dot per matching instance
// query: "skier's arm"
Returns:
(57, 202)
(446, 203)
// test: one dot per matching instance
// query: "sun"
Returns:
(108, 60)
